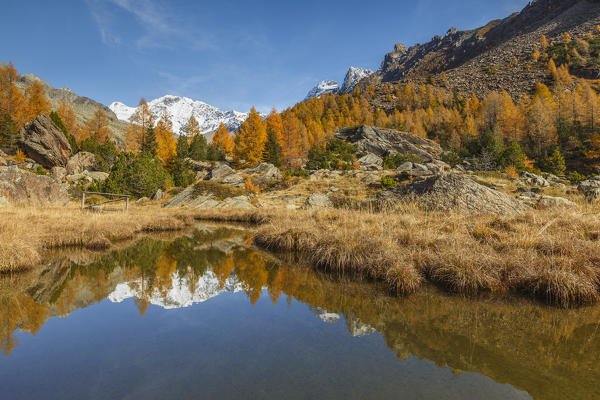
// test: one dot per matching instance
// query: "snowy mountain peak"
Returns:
(322, 88)
(180, 109)
(353, 76)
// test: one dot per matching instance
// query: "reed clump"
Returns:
(553, 256)
(26, 232)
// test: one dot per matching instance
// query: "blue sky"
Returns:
(232, 54)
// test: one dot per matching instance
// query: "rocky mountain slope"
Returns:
(353, 76)
(180, 109)
(84, 107)
(496, 56)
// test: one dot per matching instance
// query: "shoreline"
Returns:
(547, 256)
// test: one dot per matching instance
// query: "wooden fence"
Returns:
(113, 199)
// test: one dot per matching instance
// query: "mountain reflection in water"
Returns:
(546, 352)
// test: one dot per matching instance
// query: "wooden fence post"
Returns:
(82, 200)
(126, 203)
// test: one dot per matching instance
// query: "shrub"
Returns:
(451, 158)
(296, 173)
(511, 172)
(20, 156)
(575, 176)
(396, 160)
(337, 155)
(250, 186)
(106, 153)
(137, 175)
(41, 170)
(388, 182)
(513, 156)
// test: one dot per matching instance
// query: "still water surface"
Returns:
(203, 316)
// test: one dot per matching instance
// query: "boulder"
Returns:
(590, 189)
(240, 202)
(453, 193)
(96, 176)
(317, 200)
(19, 187)
(404, 167)
(82, 161)
(554, 202)
(185, 196)
(383, 142)
(201, 175)
(220, 171)
(235, 180)
(532, 179)
(43, 142)
(264, 174)
(371, 162)
(198, 166)
(159, 195)
(58, 173)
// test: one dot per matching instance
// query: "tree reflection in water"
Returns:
(551, 353)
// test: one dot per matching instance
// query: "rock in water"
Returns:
(82, 161)
(44, 143)
(454, 193)
(22, 188)
(383, 142)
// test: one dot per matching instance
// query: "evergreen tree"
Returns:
(273, 153)
(138, 175)
(214, 152)
(149, 145)
(198, 147)
(8, 134)
(182, 149)
(60, 125)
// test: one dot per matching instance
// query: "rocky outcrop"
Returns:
(220, 171)
(264, 174)
(590, 189)
(317, 200)
(158, 196)
(371, 162)
(43, 142)
(383, 142)
(82, 161)
(22, 188)
(540, 201)
(453, 193)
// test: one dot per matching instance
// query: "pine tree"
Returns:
(60, 125)
(149, 145)
(272, 153)
(198, 147)
(223, 139)
(37, 102)
(182, 148)
(8, 134)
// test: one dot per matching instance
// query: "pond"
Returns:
(207, 316)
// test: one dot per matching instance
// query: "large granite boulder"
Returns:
(317, 200)
(220, 171)
(22, 188)
(264, 174)
(82, 161)
(44, 143)
(590, 189)
(383, 142)
(371, 162)
(453, 193)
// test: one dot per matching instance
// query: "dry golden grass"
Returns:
(553, 256)
(26, 232)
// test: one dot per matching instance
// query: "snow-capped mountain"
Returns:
(353, 76)
(322, 88)
(180, 109)
(207, 287)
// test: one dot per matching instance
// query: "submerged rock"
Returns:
(456, 193)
